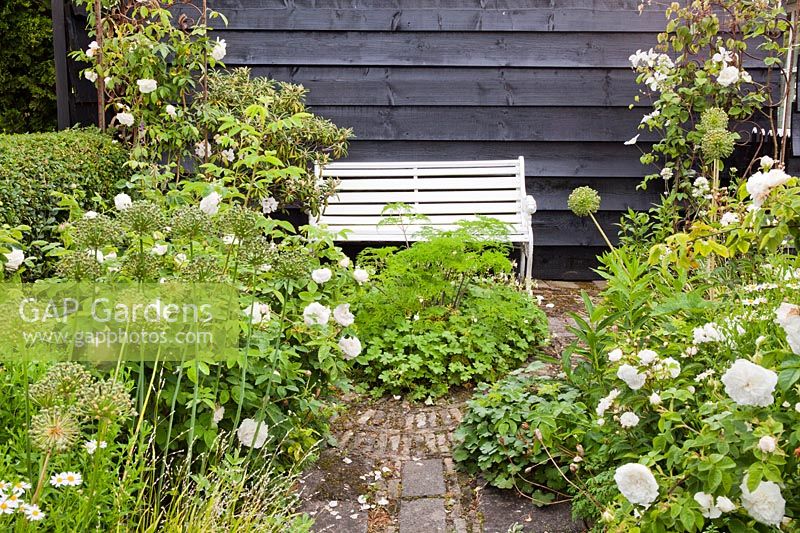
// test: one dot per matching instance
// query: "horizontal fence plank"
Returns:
(426, 19)
(478, 49)
(375, 86)
(430, 4)
(487, 123)
(478, 208)
(557, 159)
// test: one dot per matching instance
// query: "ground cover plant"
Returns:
(443, 312)
(688, 361)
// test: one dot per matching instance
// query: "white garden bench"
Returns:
(444, 191)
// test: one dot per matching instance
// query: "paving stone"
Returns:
(426, 515)
(363, 419)
(346, 517)
(501, 509)
(423, 478)
(563, 285)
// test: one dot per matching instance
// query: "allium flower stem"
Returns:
(42, 477)
(603, 233)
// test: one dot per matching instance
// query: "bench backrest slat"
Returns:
(445, 191)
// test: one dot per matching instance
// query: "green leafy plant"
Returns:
(443, 312)
(524, 432)
(35, 169)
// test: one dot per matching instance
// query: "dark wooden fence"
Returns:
(460, 79)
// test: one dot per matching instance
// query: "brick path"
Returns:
(392, 469)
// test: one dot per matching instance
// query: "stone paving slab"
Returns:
(501, 509)
(423, 478)
(344, 517)
(426, 515)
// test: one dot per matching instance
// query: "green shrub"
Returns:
(27, 71)
(35, 168)
(442, 312)
(498, 439)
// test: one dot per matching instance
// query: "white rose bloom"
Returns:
(343, 316)
(14, 259)
(361, 275)
(765, 504)
(90, 75)
(672, 367)
(124, 118)
(749, 384)
(219, 50)
(269, 205)
(706, 503)
(767, 444)
(797, 407)
(171, 110)
(760, 184)
(729, 219)
(351, 347)
(229, 155)
(93, 48)
(219, 412)
(321, 275)
(202, 149)
(788, 317)
(247, 433)
(615, 355)
(766, 162)
(159, 249)
(258, 312)
(725, 505)
(90, 215)
(344, 262)
(631, 376)
(210, 204)
(647, 356)
(637, 484)
(728, 76)
(147, 85)
(628, 419)
(122, 201)
(709, 332)
(655, 399)
(605, 404)
(316, 314)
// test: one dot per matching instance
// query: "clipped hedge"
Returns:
(84, 162)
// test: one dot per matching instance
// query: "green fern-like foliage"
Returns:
(445, 312)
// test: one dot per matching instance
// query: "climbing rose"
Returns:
(247, 433)
(628, 420)
(725, 505)
(637, 484)
(122, 201)
(171, 111)
(343, 316)
(360, 275)
(749, 384)
(147, 85)
(765, 504)
(767, 444)
(210, 204)
(706, 503)
(14, 259)
(90, 75)
(647, 356)
(321, 275)
(124, 118)
(760, 184)
(615, 355)
(631, 377)
(316, 314)
(219, 50)
(351, 346)
(728, 76)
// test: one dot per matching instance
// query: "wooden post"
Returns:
(60, 58)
